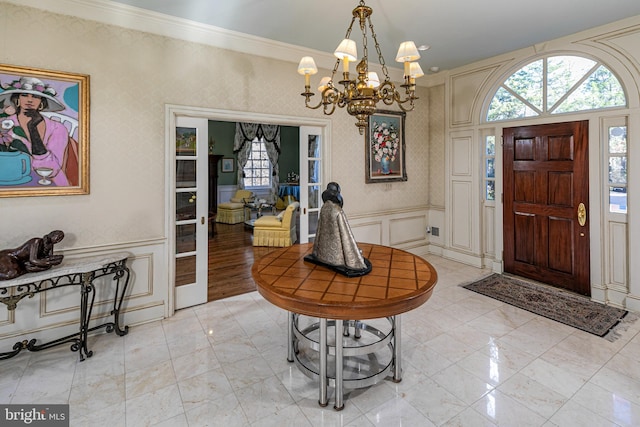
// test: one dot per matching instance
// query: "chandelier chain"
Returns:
(365, 56)
(379, 51)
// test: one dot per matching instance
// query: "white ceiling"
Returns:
(458, 31)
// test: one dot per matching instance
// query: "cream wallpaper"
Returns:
(133, 76)
(436, 146)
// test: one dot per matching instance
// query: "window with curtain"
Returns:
(257, 170)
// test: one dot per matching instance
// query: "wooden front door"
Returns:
(546, 200)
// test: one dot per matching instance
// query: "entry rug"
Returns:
(553, 303)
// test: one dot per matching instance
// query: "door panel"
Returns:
(311, 179)
(560, 256)
(191, 216)
(545, 180)
(524, 238)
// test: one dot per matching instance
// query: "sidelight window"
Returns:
(489, 167)
(617, 182)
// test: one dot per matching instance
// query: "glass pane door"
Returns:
(311, 180)
(191, 218)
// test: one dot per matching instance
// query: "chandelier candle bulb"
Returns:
(374, 80)
(307, 67)
(407, 53)
(324, 82)
(415, 71)
(346, 51)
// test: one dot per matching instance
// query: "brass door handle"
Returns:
(582, 215)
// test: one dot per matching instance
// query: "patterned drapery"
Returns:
(245, 134)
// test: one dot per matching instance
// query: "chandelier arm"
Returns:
(388, 100)
(401, 103)
(306, 103)
(331, 96)
(329, 108)
(410, 97)
(387, 92)
(403, 108)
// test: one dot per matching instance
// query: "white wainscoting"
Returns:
(54, 314)
(489, 231)
(402, 229)
(618, 285)
(463, 220)
(226, 192)
(437, 220)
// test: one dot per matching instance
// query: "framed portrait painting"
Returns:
(385, 147)
(44, 132)
(227, 165)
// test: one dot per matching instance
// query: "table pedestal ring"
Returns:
(348, 361)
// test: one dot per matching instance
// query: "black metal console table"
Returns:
(81, 272)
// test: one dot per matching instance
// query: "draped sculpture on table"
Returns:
(335, 246)
(245, 134)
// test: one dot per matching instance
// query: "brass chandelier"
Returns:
(361, 94)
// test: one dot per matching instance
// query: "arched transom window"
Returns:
(555, 85)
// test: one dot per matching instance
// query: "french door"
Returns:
(191, 212)
(311, 180)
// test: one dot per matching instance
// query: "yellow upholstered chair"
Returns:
(234, 211)
(285, 201)
(278, 230)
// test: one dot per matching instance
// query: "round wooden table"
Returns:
(398, 282)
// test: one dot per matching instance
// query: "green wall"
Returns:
(223, 133)
(289, 160)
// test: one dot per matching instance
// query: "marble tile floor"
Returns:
(468, 361)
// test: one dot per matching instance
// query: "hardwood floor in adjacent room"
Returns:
(231, 257)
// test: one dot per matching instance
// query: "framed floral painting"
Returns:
(44, 132)
(385, 147)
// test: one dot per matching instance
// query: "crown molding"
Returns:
(121, 15)
(135, 18)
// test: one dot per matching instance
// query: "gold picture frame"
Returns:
(44, 132)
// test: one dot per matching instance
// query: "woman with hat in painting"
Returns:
(45, 140)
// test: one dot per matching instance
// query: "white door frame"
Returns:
(171, 112)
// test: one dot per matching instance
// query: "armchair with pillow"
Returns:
(278, 230)
(233, 211)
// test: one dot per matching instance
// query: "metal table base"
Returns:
(309, 347)
(80, 273)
